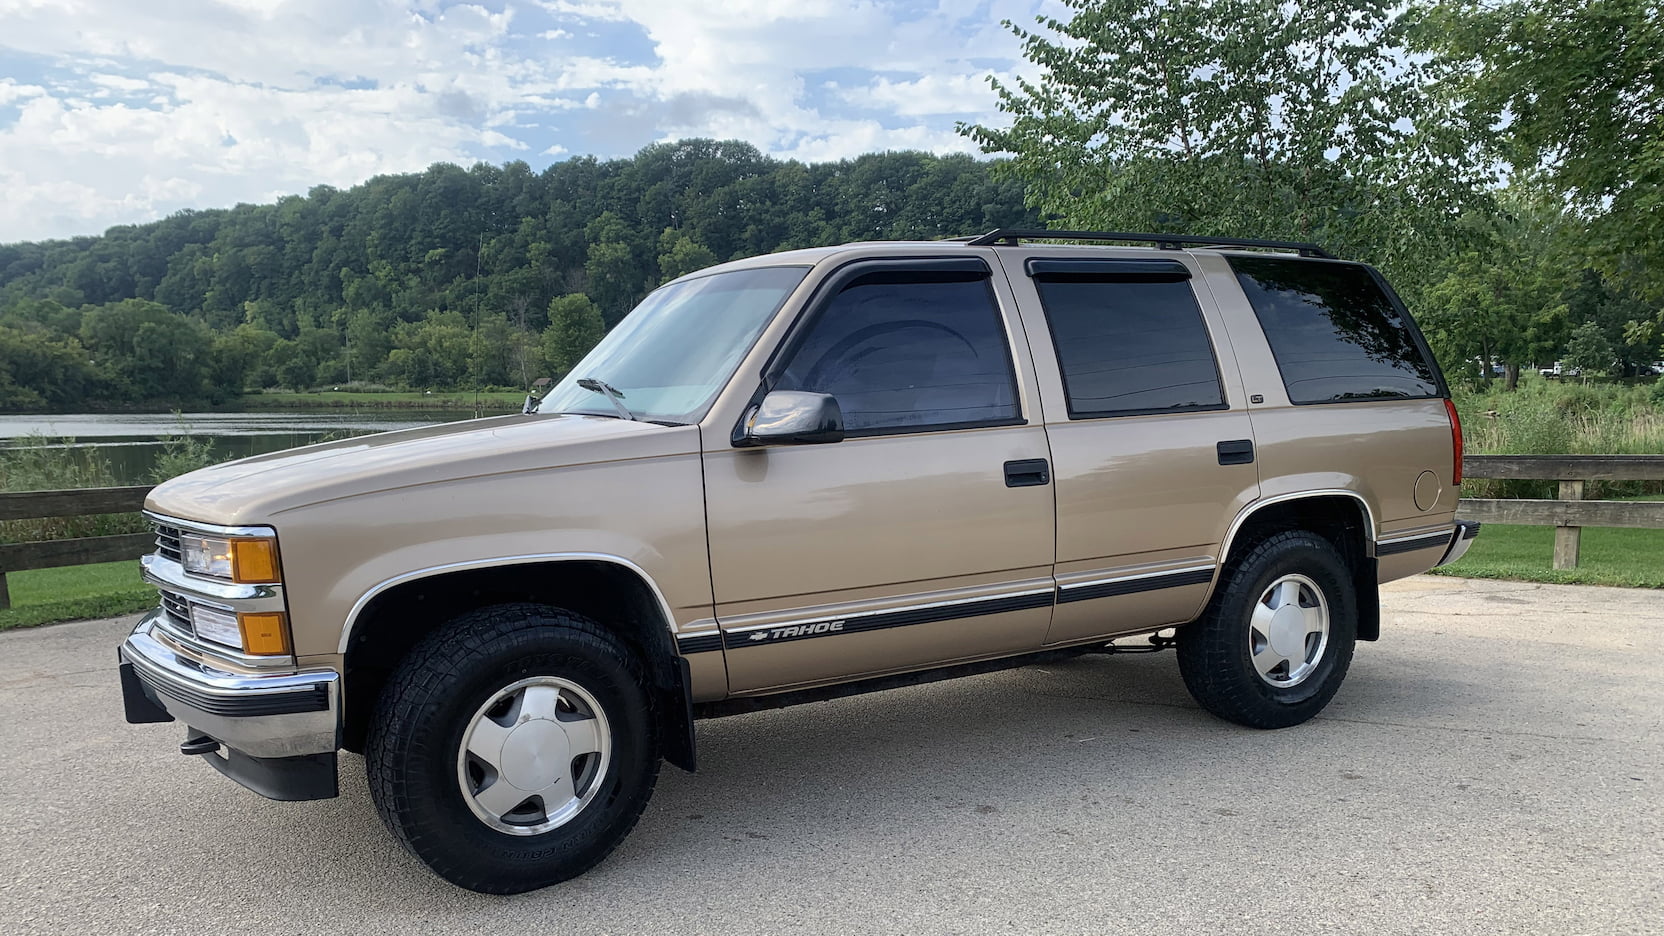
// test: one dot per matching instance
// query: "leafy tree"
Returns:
(680, 255)
(1234, 118)
(242, 358)
(1589, 352)
(575, 326)
(152, 353)
(613, 278)
(1624, 319)
(1574, 96)
(1500, 297)
(407, 279)
(431, 353)
(40, 370)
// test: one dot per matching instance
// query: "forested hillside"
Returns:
(451, 278)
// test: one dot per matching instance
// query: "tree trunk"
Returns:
(1511, 374)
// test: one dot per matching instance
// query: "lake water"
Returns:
(130, 441)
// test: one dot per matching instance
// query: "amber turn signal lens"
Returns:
(265, 633)
(254, 561)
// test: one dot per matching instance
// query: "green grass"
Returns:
(74, 593)
(1633, 558)
(491, 401)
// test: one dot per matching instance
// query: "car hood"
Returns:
(260, 489)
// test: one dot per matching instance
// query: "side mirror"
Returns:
(792, 417)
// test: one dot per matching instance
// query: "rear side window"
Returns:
(909, 352)
(1129, 337)
(1335, 333)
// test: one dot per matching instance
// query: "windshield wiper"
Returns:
(601, 387)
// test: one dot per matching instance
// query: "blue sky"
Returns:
(120, 111)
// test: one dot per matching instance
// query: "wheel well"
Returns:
(1342, 521)
(613, 595)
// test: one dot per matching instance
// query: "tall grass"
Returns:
(1547, 417)
(40, 463)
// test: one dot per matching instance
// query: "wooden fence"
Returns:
(1568, 515)
(40, 505)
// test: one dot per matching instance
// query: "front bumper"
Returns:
(279, 732)
(1466, 532)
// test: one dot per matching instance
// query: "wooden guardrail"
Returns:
(41, 505)
(1570, 513)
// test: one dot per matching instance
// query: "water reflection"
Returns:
(130, 441)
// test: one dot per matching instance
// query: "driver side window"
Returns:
(909, 352)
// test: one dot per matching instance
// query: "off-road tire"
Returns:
(414, 739)
(1213, 651)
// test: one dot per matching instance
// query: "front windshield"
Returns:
(671, 355)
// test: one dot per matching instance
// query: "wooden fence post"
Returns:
(1568, 539)
(5, 593)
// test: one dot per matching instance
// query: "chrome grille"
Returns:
(167, 542)
(178, 609)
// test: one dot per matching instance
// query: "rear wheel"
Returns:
(1276, 640)
(513, 749)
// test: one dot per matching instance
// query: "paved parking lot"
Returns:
(1493, 765)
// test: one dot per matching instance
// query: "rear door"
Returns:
(926, 536)
(1152, 449)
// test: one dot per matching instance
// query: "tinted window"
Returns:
(1335, 333)
(910, 351)
(1129, 344)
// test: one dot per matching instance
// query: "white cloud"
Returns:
(132, 110)
(11, 91)
(929, 95)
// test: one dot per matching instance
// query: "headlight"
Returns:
(246, 560)
(264, 633)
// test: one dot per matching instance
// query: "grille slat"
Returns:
(167, 542)
(179, 612)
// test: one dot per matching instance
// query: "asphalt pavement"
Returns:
(1495, 764)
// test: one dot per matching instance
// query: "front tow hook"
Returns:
(201, 744)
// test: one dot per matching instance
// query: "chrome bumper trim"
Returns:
(163, 572)
(1466, 532)
(281, 715)
(1403, 544)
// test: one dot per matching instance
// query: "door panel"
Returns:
(910, 542)
(1142, 506)
(822, 534)
(1137, 408)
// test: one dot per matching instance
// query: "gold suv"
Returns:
(802, 476)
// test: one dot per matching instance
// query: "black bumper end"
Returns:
(309, 777)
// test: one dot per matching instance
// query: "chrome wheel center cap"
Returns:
(1288, 632)
(536, 754)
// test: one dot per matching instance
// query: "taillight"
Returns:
(1455, 442)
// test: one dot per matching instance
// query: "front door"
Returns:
(925, 536)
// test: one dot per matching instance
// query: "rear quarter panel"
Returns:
(1378, 449)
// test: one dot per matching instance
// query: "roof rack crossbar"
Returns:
(1011, 237)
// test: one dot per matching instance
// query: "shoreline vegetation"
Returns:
(1540, 417)
(491, 401)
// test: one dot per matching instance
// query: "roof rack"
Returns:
(1011, 237)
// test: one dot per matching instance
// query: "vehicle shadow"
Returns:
(1091, 741)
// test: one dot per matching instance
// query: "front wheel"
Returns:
(1275, 642)
(513, 749)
